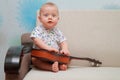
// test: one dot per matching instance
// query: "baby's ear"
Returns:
(58, 18)
(38, 22)
(39, 17)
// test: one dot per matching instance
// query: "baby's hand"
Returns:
(53, 49)
(65, 51)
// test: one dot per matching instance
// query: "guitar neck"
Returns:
(87, 59)
(79, 58)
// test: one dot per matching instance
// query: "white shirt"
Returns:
(51, 37)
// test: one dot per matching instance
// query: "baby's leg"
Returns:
(45, 65)
(41, 64)
(63, 67)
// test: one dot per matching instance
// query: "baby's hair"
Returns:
(49, 4)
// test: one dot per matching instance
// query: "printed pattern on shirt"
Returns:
(51, 37)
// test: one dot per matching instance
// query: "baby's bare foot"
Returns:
(55, 67)
(63, 67)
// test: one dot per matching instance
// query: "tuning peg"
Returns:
(92, 64)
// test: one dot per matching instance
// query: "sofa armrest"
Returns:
(27, 42)
(25, 39)
(17, 63)
(13, 59)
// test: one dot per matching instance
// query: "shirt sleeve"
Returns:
(60, 36)
(36, 33)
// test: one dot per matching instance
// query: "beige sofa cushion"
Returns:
(76, 73)
(94, 34)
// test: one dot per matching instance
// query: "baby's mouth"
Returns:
(50, 22)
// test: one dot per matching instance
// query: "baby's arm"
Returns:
(42, 45)
(64, 48)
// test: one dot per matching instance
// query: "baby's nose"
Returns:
(49, 17)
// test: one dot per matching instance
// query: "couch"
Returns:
(93, 34)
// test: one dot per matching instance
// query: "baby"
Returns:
(47, 36)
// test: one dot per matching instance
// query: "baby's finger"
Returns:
(61, 52)
(53, 50)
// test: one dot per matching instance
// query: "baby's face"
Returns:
(49, 16)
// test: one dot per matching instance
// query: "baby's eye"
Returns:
(54, 15)
(45, 15)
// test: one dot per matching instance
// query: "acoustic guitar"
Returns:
(61, 58)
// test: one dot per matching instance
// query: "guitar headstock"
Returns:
(94, 63)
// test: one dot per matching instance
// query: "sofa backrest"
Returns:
(94, 34)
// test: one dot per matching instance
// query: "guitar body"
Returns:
(50, 56)
(61, 58)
